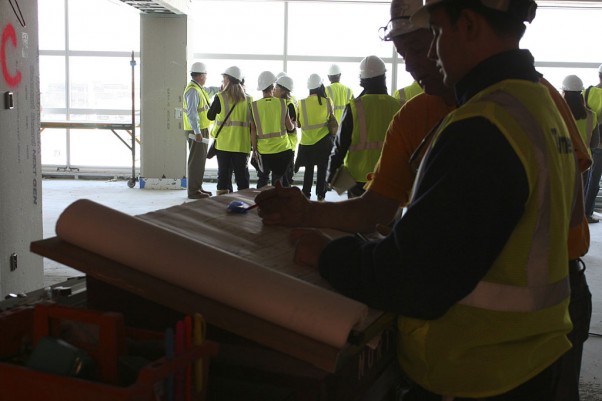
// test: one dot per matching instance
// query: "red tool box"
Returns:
(104, 337)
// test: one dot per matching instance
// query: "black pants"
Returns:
(232, 161)
(580, 311)
(539, 388)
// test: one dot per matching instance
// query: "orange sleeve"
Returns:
(578, 238)
(393, 177)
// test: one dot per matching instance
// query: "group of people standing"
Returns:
(586, 107)
(484, 267)
(266, 129)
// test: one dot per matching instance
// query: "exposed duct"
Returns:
(159, 6)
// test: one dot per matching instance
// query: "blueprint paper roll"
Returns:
(302, 307)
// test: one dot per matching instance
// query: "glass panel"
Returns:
(51, 23)
(108, 150)
(564, 35)
(313, 31)
(54, 147)
(403, 77)
(113, 27)
(237, 27)
(556, 75)
(250, 69)
(103, 83)
(52, 81)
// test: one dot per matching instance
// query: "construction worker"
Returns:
(316, 141)
(593, 101)
(477, 381)
(337, 92)
(195, 103)
(407, 92)
(361, 135)
(269, 138)
(282, 90)
(587, 121)
(232, 114)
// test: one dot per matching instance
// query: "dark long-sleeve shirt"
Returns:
(342, 141)
(470, 198)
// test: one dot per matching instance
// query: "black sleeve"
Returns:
(468, 201)
(214, 109)
(293, 115)
(342, 142)
(595, 141)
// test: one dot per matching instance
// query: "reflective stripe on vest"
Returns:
(306, 116)
(225, 111)
(363, 143)
(537, 295)
(259, 125)
(330, 93)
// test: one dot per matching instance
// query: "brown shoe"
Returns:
(205, 192)
(197, 195)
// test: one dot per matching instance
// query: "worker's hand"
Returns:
(309, 244)
(283, 206)
(198, 138)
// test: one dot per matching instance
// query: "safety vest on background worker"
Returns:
(586, 126)
(204, 122)
(340, 96)
(269, 115)
(236, 134)
(372, 115)
(593, 100)
(313, 118)
(514, 323)
(408, 92)
(292, 136)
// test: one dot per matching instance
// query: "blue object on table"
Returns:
(238, 207)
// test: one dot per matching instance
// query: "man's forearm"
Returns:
(360, 214)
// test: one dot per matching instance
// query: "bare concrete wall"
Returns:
(163, 70)
(20, 175)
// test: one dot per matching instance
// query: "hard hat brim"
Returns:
(402, 26)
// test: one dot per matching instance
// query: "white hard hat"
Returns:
(198, 68)
(266, 78)
(234, 72)
(572, 83)
(523, 10)
(372, 66)
(334, 70)
(286, 82)
(314, 81)
(281, 74)
(401, 11)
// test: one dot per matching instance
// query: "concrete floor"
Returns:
(59, 193)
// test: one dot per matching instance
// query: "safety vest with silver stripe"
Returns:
(313, 119)
(340, 96)
(586, 127)
(372, 115)
(269, 115)
(202, 109)
(513, 324)
(292, 136)
(406, 93)
(236, 134)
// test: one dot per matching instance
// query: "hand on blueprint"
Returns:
(309, 244)
(282, 206)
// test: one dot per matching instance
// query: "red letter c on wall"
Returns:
(9, 34)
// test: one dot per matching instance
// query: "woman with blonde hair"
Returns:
(232, 114)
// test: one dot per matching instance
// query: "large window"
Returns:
(85, 76)
(85, 51)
